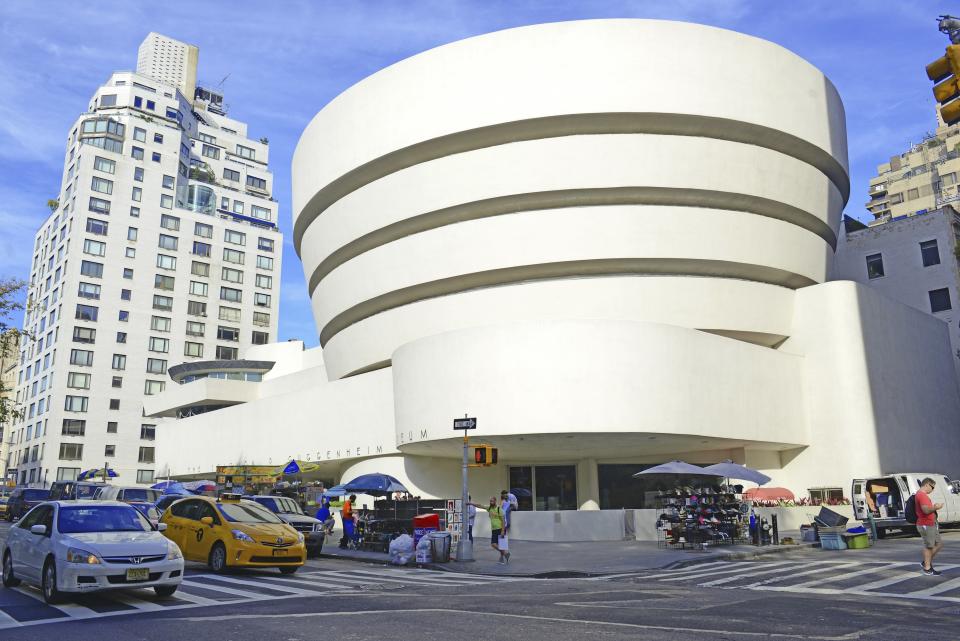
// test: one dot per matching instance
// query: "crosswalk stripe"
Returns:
(733, 570)
(737, 577)
(401, 579)
(140, 604)
(328, 577)
(194, 598)
(792, 575)
(850, 575)
(437, 580)
(946, 586)
(226, 590)
(903, 576)
(279, 588)
(7, 621)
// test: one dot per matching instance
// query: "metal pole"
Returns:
(465, 549)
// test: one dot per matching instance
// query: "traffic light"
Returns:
(485, 455)
(945, 71)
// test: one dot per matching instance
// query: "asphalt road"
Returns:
(876, 594)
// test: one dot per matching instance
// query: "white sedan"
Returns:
(84, 546)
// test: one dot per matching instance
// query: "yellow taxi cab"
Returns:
(228, 532)
(4, 500)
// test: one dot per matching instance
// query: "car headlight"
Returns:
(173, 552)
(76, 555)
(300, 537)
(241, 536)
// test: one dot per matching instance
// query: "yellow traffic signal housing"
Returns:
(945, 71)
(485, 455)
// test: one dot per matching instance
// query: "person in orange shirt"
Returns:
(346, 514)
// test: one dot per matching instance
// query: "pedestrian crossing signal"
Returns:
(485, 455)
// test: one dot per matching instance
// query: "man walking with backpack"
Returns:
(926, 511)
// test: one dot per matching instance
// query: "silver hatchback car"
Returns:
(85, 546)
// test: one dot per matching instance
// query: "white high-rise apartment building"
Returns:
(163, 249)
(170, 61)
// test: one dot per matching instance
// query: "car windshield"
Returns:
(87, 491)
(76, 519)
(35, 495)
(247, 512)
(288, 506)
(140, 494)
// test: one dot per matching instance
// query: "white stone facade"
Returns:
(556, 229)
(166, 231)
(170, 61)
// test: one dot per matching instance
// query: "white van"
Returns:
(884, 498)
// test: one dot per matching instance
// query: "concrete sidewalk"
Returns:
(594, 558)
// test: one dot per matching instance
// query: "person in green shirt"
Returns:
(496, 526)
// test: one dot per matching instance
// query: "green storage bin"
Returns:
(858, 542)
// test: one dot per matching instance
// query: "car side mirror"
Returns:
(162, 527)
(207, 520)
(38, 529)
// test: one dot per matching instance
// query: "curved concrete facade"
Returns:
(609, 241)
(564, 152)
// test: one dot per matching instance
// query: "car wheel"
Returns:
(218, 558)
(48, 583)
(9, 581)
(165, 590)
(289, 569)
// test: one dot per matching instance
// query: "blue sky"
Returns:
(287, 59)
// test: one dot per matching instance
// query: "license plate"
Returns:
(279, 553)
(138, 574)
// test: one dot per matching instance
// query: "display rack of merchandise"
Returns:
(694, 517)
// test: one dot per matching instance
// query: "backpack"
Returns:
(910, 509)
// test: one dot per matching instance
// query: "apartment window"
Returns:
(94, 247)
(111, 427)
(261, 319)
(104, 164)
(209, 151)
(196, 308)
(232, 256)
(81, 357)
(148, 432)
(203, 230)
(193, 349)
(116, 381)
(75, 403)
(197, 288)
(159, 137)
(913, 194)
(135, 212)
(121, 337)
(230, 294)
(162, 303)
(88, 290)
(226, 353)
(231, 275)
(71, 451)
(874, 266)
(136, 153)
(109, 450)
(153, 387)
(99, 206)
(230, 174)
(246, 152)
(119, 362)
(264, 262)
(939, 300)
(137, 194)
(228, 334)
(194, 328)
(84, 335)
(207, 138)
(95, 226)
(91, 269)
(163, 282)
(261, 300)
(67, 473)
(930, 253)
(238, 207)
(234, 237)
(262, 213)
(170, 222)
(166, 262)
(146, 455)
(73, 427)
(159, 324)
(256, 183)
(264, 281)
(114, 403)
(78, 380)
(139, 134)
(167, 242)
(101, 185)
(231, 314)
(138, 174)
(166, 201)
(151, 105)
(161, 345)
(156, 366)
(127, 273)
(260, 338)
(201, 249)
(87, 313)
(145, 477)
(132, 234)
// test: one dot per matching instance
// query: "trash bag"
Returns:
(401, 549)
(424, 551)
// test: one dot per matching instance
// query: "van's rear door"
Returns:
(858, 494)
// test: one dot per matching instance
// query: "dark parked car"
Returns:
(167, 500)
(73, 490)
(23, 499)
(290, 513)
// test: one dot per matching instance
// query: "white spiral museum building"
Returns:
(608, 240)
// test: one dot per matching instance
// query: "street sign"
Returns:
(464, 423)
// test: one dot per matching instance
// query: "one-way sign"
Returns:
(464, 423)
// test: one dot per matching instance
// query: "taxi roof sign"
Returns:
(230, 497)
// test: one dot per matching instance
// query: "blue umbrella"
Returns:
(731, 470)
(677, 468)
(375, 485)
(338, 490)
(97, 473)
(170, 487)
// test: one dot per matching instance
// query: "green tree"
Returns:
(53, 203)
(10, 337)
